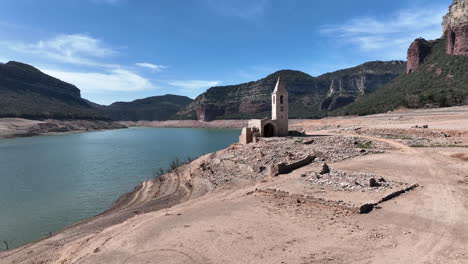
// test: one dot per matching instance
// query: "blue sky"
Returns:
(121, 50)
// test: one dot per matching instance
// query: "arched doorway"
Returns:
(269, 130)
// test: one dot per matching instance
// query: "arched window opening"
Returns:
(281, 99)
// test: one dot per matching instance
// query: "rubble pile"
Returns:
(252, 161)
(351, 181)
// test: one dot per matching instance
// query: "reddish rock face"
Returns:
(457, 40)
(455, 26)
(418, 50)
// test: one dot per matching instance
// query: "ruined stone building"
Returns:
(277, 126)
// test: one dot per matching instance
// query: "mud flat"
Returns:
(19, 127)
(226, 207)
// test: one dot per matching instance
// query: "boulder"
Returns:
(325, 169)
(373, 183)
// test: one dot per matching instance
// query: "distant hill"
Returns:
(27, 92)
(152, 108)
(309, 97)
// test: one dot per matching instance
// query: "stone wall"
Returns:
(283, 168)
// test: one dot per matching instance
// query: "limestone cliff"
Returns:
(455, 27)
(440, 80)
(309, 97)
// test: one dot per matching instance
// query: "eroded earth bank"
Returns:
(20, 127)
(231, 207)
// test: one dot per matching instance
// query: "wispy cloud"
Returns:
(194, 85)
(113, 80)
(74, 49)
(61, 55)
(389, 36)
(245, 9)
(153, 67)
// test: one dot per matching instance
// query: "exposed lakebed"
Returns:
(50, 182)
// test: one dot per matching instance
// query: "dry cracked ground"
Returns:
(226, 207)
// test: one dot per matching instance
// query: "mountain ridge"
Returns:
(310, 97)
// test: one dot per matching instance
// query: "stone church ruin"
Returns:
(277, 126)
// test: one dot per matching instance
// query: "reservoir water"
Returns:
(50, 182)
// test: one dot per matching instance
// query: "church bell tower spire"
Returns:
(279, 107)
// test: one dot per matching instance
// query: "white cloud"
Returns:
(151, 66)
(113, 80)
(194, 85)
(74, 49)
(389, 37)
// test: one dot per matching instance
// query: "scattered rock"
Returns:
(325, 169)
(352, 181)
(373, 183)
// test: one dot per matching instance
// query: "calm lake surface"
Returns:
(50, 182)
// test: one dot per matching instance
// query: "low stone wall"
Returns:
(283, 168)
(367, 208)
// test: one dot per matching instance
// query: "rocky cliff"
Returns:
(436, 72)
(441, 80)
(417, 52)
(455, 27)
(455, 36)
(309, 97)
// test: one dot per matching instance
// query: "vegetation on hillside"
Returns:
(307, 94)
(28, 93)
(442, 80)
(151, 108)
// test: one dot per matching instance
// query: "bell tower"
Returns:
(279, 108)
